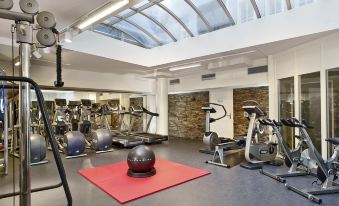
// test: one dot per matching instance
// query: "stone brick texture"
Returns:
(259, 94)
(185, 117)
(137, 123)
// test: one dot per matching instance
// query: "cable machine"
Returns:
(46, 36)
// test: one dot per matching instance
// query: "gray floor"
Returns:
(231, 187)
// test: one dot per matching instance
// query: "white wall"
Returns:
(84, 79)
(223, 96)
(230, 78)
(319, 55)
(50, 95)
(93, 80)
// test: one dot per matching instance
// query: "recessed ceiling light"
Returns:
(102, 14)
(185, 67)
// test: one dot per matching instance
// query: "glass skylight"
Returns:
(153, 23)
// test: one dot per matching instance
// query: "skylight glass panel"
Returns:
(123, 13)
(213, 12)
(168, 21)
(187, 15)
(269, 7)
(245, 11)
(151, 27)
(136, 33)
(116, 34)
(299, 3)
(232, 6)
(241, 10)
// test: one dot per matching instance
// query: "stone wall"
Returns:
(137, 123)
(259, 94)
(185, 117)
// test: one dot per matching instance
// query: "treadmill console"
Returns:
(60, 102)
(34, 105)
(254, 109)
(74, 103)
(86, 102)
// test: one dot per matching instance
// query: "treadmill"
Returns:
(149, 138)
(122, 138)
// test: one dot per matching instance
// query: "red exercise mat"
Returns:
(113, 179)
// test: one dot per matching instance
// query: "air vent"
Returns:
(256, 70)
(174, 81)
(208, 77)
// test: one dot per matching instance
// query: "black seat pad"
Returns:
(334, 140)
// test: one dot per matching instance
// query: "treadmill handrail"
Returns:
(149, 112)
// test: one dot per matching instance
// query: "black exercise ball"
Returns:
(38, 148)
(141, 160)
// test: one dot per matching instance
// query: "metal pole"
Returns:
(25, 170)
(5, 125)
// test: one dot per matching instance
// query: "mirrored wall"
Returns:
(286, 107)
(310, 105)
(332, 104)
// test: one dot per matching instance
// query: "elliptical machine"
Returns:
(38, 142)
(72, 143)
(99, 140)
(211, 139)
(257, 153)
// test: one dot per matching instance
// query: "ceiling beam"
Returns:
(256, 9)
(288, 4)
(198, 12)
(156, 22)
(228, 14)
(129, 14)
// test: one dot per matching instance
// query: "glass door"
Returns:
(333, 104)
(286, 107)
(310, 105)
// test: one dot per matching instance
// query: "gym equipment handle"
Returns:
(219, 105)
(52, 140)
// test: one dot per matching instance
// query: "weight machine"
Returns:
(46, 33)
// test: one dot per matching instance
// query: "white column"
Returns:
(324, 105)
(162, 105)
(273, 90)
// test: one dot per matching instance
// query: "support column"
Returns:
(25, 146)
(162, 105)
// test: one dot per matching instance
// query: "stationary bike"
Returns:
(211, 139)
(257, 153)
(295, 159)
(328, 170)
